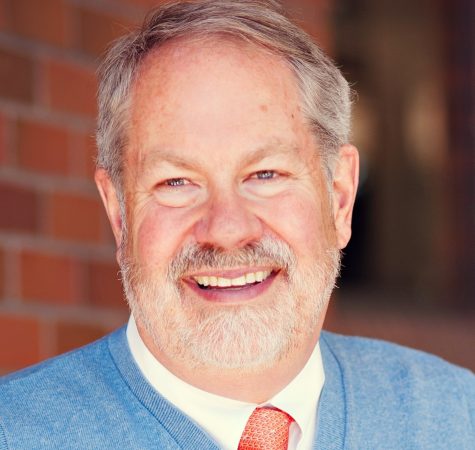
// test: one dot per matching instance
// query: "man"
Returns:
(229, 184)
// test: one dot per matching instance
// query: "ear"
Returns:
(345, 185)
(110, 199)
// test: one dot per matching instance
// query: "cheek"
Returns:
(304, 223)
(158, 235)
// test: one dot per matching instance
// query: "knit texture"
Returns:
(376, 396)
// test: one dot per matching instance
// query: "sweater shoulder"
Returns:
(65, 369)
(386, 383)
(70, 401)
(56, 387)
(82, 399)
(377, 356)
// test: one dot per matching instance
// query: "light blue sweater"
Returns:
(376, 396)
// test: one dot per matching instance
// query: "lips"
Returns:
(232, 286)
(250, 278)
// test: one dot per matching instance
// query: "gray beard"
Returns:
(248, 337)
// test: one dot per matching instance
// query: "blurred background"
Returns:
(409, 272)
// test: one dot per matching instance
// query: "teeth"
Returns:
(248, 278)
(241, 281)
(204, 281)
(224, 282)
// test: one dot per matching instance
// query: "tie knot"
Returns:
(266, 429)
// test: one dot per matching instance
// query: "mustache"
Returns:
(267, 251)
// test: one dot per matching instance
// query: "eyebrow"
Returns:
(272, 148)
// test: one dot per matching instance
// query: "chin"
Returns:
(249, 336)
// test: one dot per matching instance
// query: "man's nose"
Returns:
(228, 222)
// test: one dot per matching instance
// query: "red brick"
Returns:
(71, 88)
(19, 208)
(48, 278)
(42, 147)
(19, 342)
(84, 154)
(3, 15)
(70, 335)
(98, 30)
(3, 140)
(16, 77)
(105, 289)
(2, 274)
(45, 20)
(145, 3)
(75, 217)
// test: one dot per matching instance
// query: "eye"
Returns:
(176, 192)
(265, 175)
(173, 185)
(175, 182)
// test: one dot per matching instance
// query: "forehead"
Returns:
(175, 58)
(213, 93)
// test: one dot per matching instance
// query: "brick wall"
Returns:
(59, 286)
(58, 278)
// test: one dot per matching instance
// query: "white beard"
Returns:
(249, 336)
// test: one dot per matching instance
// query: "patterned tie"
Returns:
(266, 429)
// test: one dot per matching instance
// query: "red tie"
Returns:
(266, 429)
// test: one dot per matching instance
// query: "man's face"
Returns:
(231, 249)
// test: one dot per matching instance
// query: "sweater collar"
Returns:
(332, 413)
(187, 435)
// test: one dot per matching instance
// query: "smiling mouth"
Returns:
(249, 279)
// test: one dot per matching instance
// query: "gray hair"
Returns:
(325, 93)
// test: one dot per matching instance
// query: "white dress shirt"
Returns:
(224, 419)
